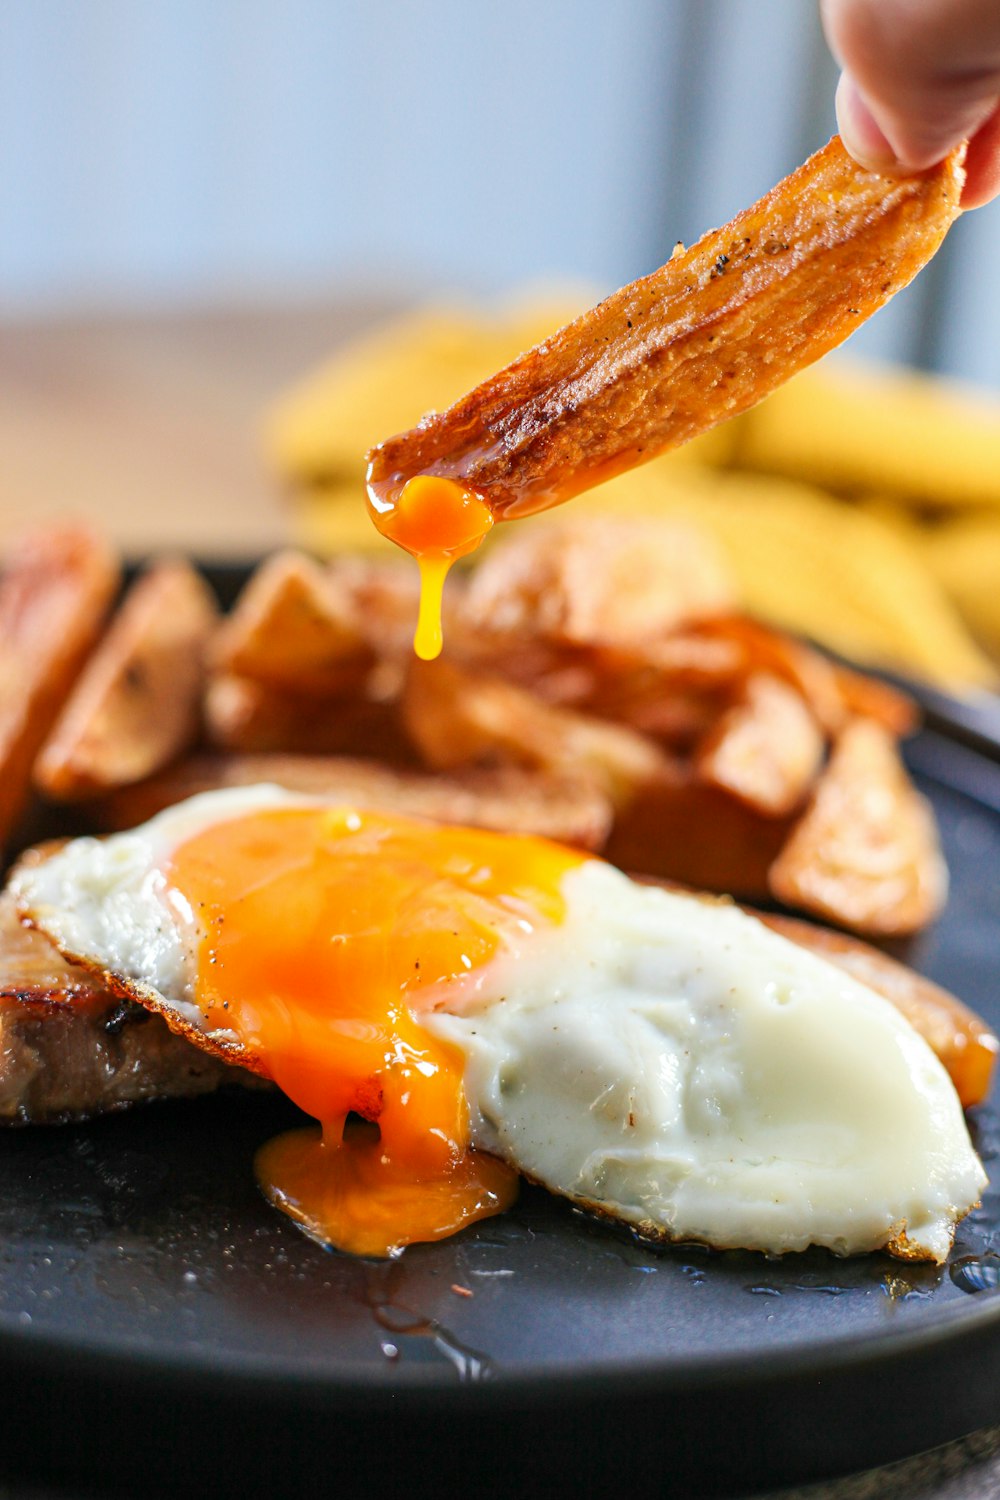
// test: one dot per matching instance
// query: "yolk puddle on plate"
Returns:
(326, 931)
(436, 520)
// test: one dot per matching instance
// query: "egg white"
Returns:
(664, 1060)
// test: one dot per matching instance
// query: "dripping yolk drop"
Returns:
(436, 520)
(327, 933)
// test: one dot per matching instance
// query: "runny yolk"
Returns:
(326, 932)
(436, 520)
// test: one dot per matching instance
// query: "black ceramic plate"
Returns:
(160, 1326)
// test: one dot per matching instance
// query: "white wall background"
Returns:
(165, 152)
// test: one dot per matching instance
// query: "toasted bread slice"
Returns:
(71, 1049)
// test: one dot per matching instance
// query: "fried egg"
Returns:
(454, 1007)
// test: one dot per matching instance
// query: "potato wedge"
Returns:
(765, 750)
(865, 854)
(459, 718)
(961, 1039)
(598, 581)
(56, 587)
(705, 337)
(677, 828)
(570, 808)
(295, 628)
(249, 717)
(137, 703)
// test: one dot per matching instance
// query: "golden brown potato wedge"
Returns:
(570, 809)
(460, 718)
(137, 703)
(677, 828)
(705, 337)
(961, 1039)
(598, 581)
(295, 628)
(251, 718)
(766, 750)
(865, 854)
(56, 586)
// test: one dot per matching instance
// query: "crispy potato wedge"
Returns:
(865, 854)
(765, 750)
(460, 718)
(249, 717)
(705, 337)
(570, 808)
(294, 627)
(56, 586)
(866, 697)
(961, 1039)
(137, 703)
(598, 581)
(677, 828)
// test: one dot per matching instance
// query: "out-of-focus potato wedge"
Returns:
(56, 586)
(764, 649)
(679, 829)
(251, 718)
(703, 338)
(960, 1038)
(461, 718)
(384, 594)
(598, 581)
(569, 808)
(866, 697)
(865, 854)
(765, 750)
(137, 703)
(294, 628)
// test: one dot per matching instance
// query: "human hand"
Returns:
(919, 76)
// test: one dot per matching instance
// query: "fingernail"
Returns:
(859, 130)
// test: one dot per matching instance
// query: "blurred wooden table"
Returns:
(151, 426)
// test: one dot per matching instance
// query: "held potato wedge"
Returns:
(711, 333)
(137, 704)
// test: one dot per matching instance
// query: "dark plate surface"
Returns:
(160, 1325)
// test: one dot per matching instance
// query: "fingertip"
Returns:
(860, 132)
(982, 165)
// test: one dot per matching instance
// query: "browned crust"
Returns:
(215, 1044)
(705, 337)
(70, 1049)
(896, 1244)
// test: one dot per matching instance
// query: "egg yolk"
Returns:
(436, 520)
(325, 933)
